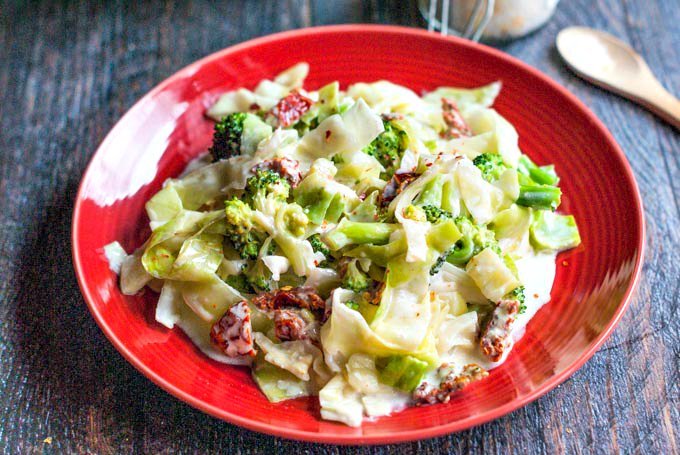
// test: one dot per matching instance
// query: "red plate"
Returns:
(166, 128)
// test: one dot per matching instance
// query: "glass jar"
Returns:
(504, 19)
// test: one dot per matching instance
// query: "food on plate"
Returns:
(369, 246)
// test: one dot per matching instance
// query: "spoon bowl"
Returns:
(612, 64)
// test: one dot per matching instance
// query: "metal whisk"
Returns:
(475, 25)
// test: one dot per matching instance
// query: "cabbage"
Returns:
(481, 198)
(454, 279)
(347, 333)
(321, 196)
(471, 147)
(281, 143)
(366, 211)
(239, 100)
(328, 101)
(416, 239)
(278, 384)
(298, 251)
(553, 232)
(466, 98)
(362, 374)
(294, 76)
(403, 372)
(295, 357)
(350, 132)
(167, 241)
(197, 188)
(491, 274)
(457, 331)
(254, 132)
(405, 310)
(133, 276)
(271, 90)
(384, 96)
(340, 402)
(277, 265)
(511, 227)
(209, 299)
(323, 280)
(508, 183)
(378, 399)
(169, 306)
(505, 137)
(164, 206)
(198, 259)
(115, 255)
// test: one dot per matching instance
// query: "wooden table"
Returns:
(69, 70)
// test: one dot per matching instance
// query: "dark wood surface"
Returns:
(69, 70)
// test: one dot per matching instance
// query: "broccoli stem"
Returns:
(543, 197)
(543, 175)
(461, 253)
(357, 233)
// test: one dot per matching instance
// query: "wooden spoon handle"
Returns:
(658, 100)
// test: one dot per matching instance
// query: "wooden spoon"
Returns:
(612, 64)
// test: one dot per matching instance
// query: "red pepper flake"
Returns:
(328, 135)
(428, 164)
(289, 110)
(535, 296)
(254, 107)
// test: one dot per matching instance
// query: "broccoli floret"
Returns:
(388, 147)
(352, 305)
(266, 184)
(434, 214)
(240, 283)
(258, 277)
(240, 229)
(318, 246)
(295, 219)
(354, 279)
(415, 213)
(227, 136)
(518, 294)
(491, 165)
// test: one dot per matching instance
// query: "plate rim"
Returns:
(364, 439)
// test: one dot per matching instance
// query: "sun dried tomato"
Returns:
(304, 297)
(289, 110)
(496, 337)
(456, 126)
(232, 334)
(289, 325)
(449, 384)
(396, 185)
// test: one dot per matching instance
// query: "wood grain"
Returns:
(69, 70)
